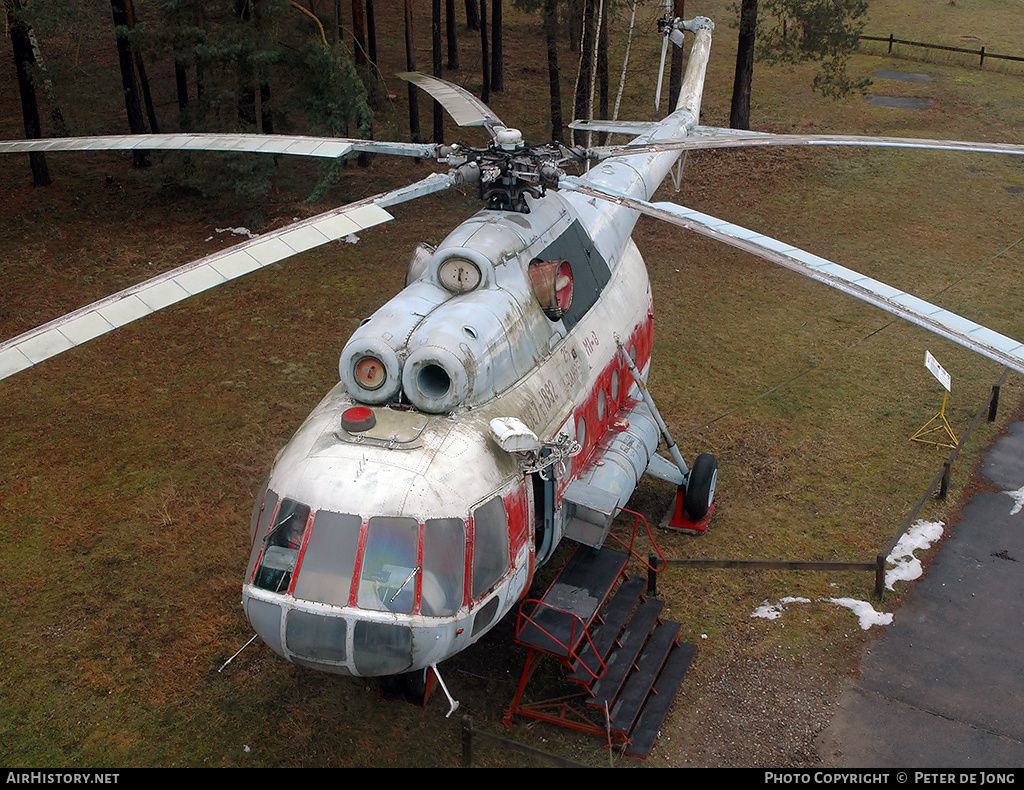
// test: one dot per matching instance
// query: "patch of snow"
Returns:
(352, 239)
(774, 611)
(238, 232)
(865, 612)
(1018, 498)
(907, 567)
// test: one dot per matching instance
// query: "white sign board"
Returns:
(937, 370)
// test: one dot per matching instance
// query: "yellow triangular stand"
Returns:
(937, 425)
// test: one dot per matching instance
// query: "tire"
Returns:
(700, 487)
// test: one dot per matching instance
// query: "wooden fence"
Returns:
(981, 54)
(876, 565)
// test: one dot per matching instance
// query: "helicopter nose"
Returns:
(334, 643)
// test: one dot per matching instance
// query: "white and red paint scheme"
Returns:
(388, 546)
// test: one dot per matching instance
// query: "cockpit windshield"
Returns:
(384, 563)
(387, 580)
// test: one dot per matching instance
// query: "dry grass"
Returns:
(132, 462)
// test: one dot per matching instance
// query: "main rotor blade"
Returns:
(298, 145)
(464, 108)
(953, 327)
(178, 284)
(707, 137)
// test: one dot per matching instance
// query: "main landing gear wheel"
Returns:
(700, 487)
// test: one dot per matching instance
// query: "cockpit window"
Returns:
(327, 563)
(444, 566)
(490, 545)
(281, 546)
(266, 505)
(387, 581)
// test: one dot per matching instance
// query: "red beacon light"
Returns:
(358, 418)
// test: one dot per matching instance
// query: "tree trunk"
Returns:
(435, 50)
(497, 50)
(581, 108)
(410, 65)
(359, 32)
(452, 34)
(371, 33)
(675, 82)
(554, 78)
(136, 124)
(147, 96)
(484, 54)
(472, 15)
(739, 114)
(60, 127)
(23, 60)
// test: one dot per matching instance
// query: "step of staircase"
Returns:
(570, 604)
(630, 661)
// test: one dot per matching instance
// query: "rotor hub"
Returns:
(508, 139)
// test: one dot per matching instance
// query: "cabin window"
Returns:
(490, 545)
(387, 581)
(444, 566)
(281, 547)
(329, 558)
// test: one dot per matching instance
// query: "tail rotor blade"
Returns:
(661, 72)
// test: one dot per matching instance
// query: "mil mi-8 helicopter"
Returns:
(494, 406)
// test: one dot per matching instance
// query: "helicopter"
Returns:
(498, 404)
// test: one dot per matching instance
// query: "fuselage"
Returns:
(393, 530)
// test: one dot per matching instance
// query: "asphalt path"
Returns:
(944, 687)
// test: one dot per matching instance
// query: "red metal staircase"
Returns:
(625, 662)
